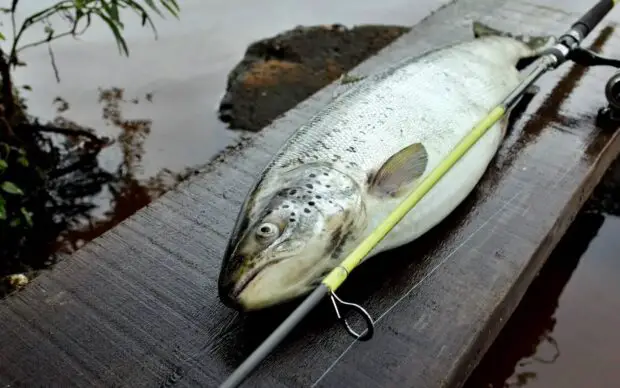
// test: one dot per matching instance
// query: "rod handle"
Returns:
(588, 21)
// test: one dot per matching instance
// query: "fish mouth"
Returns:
(238, 289)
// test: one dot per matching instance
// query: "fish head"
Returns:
(286, 242)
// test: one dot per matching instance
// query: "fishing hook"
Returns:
(370, 325)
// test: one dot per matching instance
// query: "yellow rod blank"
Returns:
(338, 275)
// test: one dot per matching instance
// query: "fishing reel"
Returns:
(610, 115)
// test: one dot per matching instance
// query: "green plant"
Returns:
(32, 167)
(10, 189)
(77, 15)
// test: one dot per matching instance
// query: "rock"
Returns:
(279, 72)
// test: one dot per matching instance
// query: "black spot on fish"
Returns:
(328, 186)
(317, 196)
(334, 240)
(293, 192)
(291, 219)
(311, 203)
(312, 175)
(351, 149)
(309, 185)
(306, 210)
(292, 214)
(326, 174)
(285, 206)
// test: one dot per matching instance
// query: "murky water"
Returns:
(185, 69)
(160, 103)
(565, 331)
(166, 100)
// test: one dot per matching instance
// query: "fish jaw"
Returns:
(280, 282)
(267, 278)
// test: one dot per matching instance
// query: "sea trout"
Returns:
(343, 172)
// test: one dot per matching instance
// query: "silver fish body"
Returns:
(343, 172)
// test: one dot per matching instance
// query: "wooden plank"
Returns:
(140, 302)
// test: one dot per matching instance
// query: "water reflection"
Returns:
(83, 198)
(527, 340)
(126, 193)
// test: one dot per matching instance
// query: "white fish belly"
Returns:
(440, 119)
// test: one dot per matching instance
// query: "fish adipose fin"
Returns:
(536, 43)
(399, 171)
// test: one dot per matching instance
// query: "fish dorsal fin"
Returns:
(536, 43)
(399, 171)
(345, 83)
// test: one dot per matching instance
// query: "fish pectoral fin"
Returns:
(345, 82)
(399, 171)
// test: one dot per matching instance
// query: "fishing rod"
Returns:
(567, 47)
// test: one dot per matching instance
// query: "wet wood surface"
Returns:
(138, 306)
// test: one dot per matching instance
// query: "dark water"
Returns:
(160, 104)
(565, 331)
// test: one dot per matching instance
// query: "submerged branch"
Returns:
(53, 62)
(67, 132)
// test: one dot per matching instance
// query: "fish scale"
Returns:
(411, 111)
(354, 160)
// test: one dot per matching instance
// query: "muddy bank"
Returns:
(277, 73)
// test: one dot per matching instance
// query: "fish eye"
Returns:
(267, 230)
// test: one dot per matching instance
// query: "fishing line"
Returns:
(566, 48)
(426, 276)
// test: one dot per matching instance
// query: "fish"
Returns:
(340, 174)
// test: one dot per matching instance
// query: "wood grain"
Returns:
(138, 306)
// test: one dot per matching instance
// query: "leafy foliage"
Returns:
(31, 165)
(79, 15)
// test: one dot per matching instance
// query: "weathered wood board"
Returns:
(140, 302)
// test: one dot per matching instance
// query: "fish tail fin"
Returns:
(536, 43)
